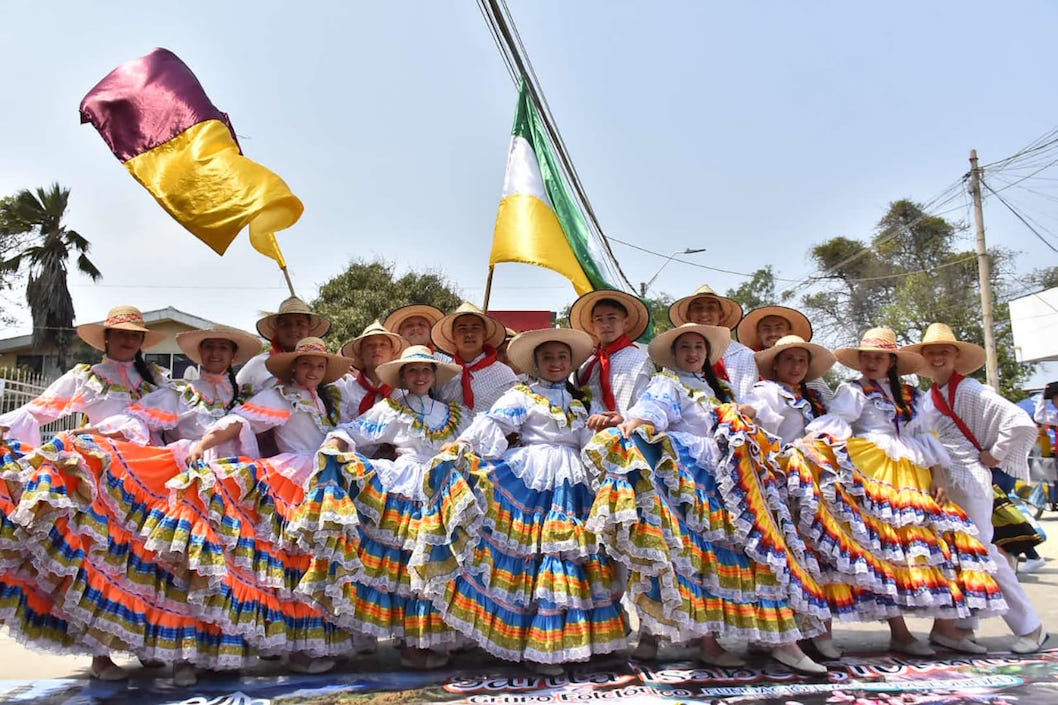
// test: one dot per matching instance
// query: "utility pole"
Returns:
(984, 275)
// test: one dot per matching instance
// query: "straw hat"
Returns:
(971, 356)
(246, 345)
(522, 347)
(397, 317)
(318, 325)
(389, 372)
(351, 349)
(880, 340)
(730, 310)
(119, 318)
(747, 327)
(281, 364)
(638, 315)
(442, 335)
(660, 348)
(820, 360)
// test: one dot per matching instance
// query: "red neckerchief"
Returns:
(374, 393)
(603, 353)
(720, 369)
(947, 406)
(469, 370)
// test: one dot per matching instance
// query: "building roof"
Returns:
(157, 316)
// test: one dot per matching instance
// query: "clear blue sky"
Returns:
(752, 129)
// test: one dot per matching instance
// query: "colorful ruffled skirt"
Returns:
(107, 558)
(379, 598)
(507, 560)
(698, 524)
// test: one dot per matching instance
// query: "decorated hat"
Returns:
(443, 337)
(318, 325)
(352, 349)
(638, 315)
(971, 356)
(747, 327)
(246, 345)
(820, 359)
(880, 340)
(522, 348)
(397, 317)
(281, 364)
(389, 372)
(660, 348)
(119, 318)
(730, 310)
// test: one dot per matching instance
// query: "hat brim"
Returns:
(397, 317)
(522, 347)
(638, 314)
(351, 349)
(318, 325)
(95, 334)
(660, 348)
(389, 372)
(820, 359)
(282, 364)
(907, 361)
(970, 359)
(246, 345)
(747, 327)
(730, 310)
(444, 337)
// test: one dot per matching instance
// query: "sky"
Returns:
(752, 130)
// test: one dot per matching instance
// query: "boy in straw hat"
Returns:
(414, 323)
(619, 371)
(981, 430)
(737, 367)
(283, 329)
(363, 389)
(100, 390)
(472, 338)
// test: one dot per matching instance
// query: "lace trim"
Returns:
(307, 406)
(568, 419)
(453, 420)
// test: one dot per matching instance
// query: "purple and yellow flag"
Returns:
(156, 118)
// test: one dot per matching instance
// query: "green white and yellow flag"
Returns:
(538, 221)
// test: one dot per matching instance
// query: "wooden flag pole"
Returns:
(286, 275)
(488, 289)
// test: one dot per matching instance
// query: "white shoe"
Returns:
(1028, 643)
(301, 662)
(912, 648)
(724, 659)
(1032, 565)
(104, 669)
(964, 645)
(827, 648)
(423, 659)
(801, 664)
(545, 669)
(184, 675)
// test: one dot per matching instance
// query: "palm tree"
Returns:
(45, 255)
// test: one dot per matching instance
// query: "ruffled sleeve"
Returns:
(660, 404)
(845, 407)
(488, 432)
(766, 399)
(61, 398)
(371, 429)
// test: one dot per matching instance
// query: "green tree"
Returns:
(48, 246)
(909, 275)
(757, 291)
(368, 290)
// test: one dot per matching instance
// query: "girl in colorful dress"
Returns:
(981, 430)
(74, 557)
(525, 580)
(619, 371)
(471, 337)
(686, 505)
(389, 500)
(940, 568)
(277, 516)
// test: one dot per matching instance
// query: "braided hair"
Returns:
(144, 369)
(327, 397)
(903, 406)
(813, 400)
(234, 390)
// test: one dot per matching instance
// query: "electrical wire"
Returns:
(1020, 217)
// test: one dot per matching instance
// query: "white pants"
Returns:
(1021, 618)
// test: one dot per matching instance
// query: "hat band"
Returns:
(880, 343)
(312, 347)
(123, 318)
(415, 357)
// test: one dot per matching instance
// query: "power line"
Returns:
(1019, 217)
